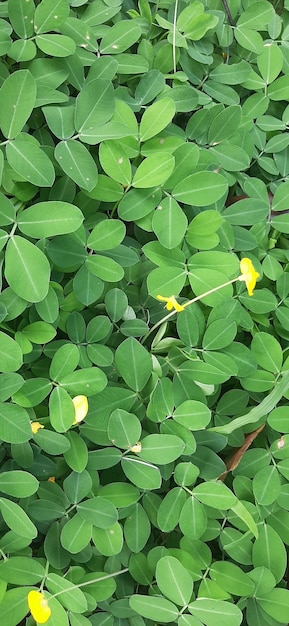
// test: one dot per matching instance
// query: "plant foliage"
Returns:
(144, 454)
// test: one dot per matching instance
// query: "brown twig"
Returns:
(235, 459)
(228, 12)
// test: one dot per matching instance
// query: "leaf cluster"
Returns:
(144, 151)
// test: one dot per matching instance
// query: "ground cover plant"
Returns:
(144, 312)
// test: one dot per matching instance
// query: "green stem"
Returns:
(90, 582)
(203, 295)
(44, 576)
(174, 36)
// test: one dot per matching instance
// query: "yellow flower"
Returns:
(38, 607)
(136, 448)
(35, 426)
(248, 274)
(81, 408)
(171, 303)
(51, 479)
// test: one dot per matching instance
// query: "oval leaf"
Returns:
(47, 219)
(27, 269)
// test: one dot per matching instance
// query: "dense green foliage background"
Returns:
(144, 152)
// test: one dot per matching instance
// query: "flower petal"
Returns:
(35, 426)
(248, 274)
(38, 607)
(171, 303)
(81, 408)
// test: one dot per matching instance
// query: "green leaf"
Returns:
(18, 484)
(257, 15)
(64, 361)
(232, 578)
(270, 62)
(13, 607)
(275, 604)
(186, 158)
(269, 551)
(225, 124)
(14, 424)
(17, 100)
(168, 514)
(278, 419)
(105, 268)
(242, 512)
(132, 352)
(201, 188)
(215, 494)
(77, 485)
(154, 170)
(39, 332)
(267, 352)
(51, 442)
(120, 494)
(266, 485)
(166, 280)
(76, 456)
(138, 203)
(246, 212)
(161, 449)
(27, 270)
(76, 534)
(102, 589)
(77, 163)
(16, 519)
(219, 334)
(19, 570)
(174, 581)
(149, 86)
(203, 280)
(10, 354)
(61, 410)
(260, 410)
(31, 162)
(49, 15)
(249, 39)
(208, 609)
(137, 529)
(193, 520)
(114, 162)
(120, 37)
(46, 219)
(21, 17)
(192, 414)
(106, 235)
(124, 428)
(169, 223)
(108, 541)
(141, 473)
(94, 105)
(154, 608)
(87, 287)
(56, 45)
(156, 117)
(281, 197)
(71, 596)
(9, 384)
(231, 74)
(231, 158)
(60, 120)
(87, 381)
